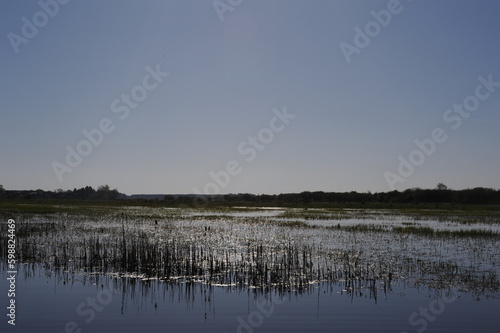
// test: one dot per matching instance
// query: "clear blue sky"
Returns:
(353, 120)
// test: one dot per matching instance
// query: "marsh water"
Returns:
(246, 269)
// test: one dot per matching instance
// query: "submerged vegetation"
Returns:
(279, 249)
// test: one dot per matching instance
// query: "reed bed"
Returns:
(252, 251)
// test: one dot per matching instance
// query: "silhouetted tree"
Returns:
(441, 187)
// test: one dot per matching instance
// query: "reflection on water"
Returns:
(49, 301)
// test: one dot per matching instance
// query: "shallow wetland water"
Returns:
(244, 269)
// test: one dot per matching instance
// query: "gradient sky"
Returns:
(353, 120)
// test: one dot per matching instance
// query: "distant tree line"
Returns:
(478, 195)
(441, 194)
(103, 192)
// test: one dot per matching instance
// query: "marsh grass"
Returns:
(279, 252)
(430, 232)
